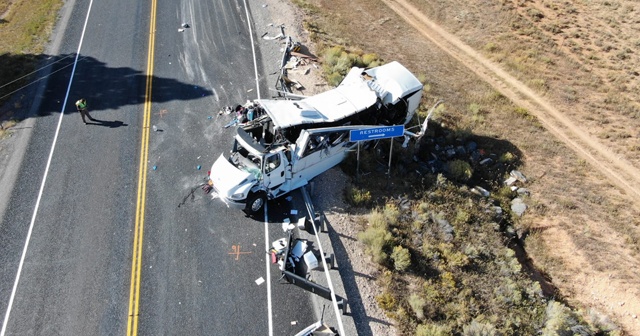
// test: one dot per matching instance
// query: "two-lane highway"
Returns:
(122, 239)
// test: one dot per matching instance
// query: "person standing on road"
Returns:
(81, 105)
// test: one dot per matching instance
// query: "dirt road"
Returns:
(612, 289)
(620, 172)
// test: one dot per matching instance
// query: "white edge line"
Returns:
(253, 49)
(266, 222)
(266, 243)
(334, 301)
(44, 180)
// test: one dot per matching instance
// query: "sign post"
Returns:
(358, 165)
(375, 133)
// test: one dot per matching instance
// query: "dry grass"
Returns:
(25, 26)
(5, 128)
(581, 56)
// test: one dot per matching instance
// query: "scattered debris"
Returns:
(185, 25)
(192, 195)
(304, 56)
(510, 181)
(480, 191)
(486, 161)
(259, 281)
(277, 37)
(243, 114)
(518, 175)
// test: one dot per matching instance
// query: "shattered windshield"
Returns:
(246, 161)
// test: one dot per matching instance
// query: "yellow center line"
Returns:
(136, 260)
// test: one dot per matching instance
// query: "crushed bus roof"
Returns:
(359, 90)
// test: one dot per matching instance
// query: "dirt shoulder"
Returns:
(578, 143)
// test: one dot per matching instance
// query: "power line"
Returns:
(39, 79)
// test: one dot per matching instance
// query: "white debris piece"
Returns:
(480, 191)
(519, 176)
(511, 180)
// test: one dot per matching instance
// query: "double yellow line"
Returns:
(136, 260)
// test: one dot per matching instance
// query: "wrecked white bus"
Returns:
(297, 140)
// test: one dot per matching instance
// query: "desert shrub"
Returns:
(508, 263)
(601, 322)
(432, 330)
(504, 194)
(378, 220)
(400, 315)
(417, 304)
(423, 207)
(453, 257)
(475, 108)
(429, 251)
(508, 292)
(376, 241)
(462, 216)
(417, 225)
(391, 213)
(460, 170)
(506, 157)
(447, 281)
(338, 61)
(357, 197)
(386, 301)
(491, 47)
(476, 328)
(559, 320)
(401, 258)
(524, 113)
(368, 59)
(334, 78)
(376, 237)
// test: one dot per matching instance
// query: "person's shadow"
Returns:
(105, 123)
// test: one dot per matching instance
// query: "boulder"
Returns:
(518, 207)
(445, 228)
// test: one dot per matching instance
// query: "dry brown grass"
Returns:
(582, 57)
(25, 26)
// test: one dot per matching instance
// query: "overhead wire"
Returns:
(39, 79)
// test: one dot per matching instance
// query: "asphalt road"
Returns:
(76, 274)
